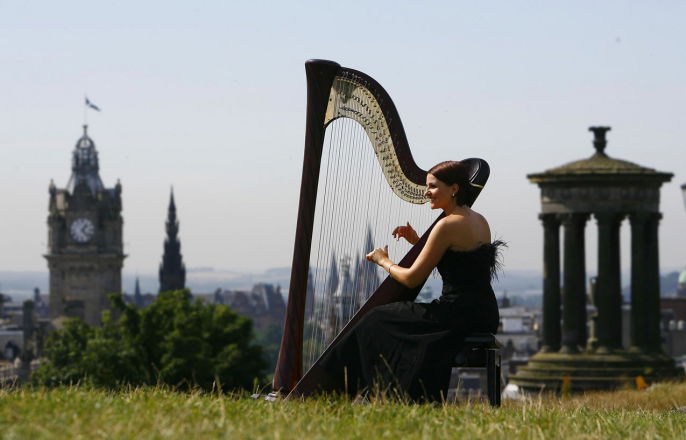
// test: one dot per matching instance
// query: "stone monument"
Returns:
(610, 190)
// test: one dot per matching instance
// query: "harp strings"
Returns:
(356, 211)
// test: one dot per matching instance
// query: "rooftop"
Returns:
(599, 165)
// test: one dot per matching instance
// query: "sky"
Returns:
(209, 97)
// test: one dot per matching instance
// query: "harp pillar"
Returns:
(288, 372)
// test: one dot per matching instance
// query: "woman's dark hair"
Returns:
(452, 171)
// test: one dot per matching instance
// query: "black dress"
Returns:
(408, 347)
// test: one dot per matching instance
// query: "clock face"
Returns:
(82, 230)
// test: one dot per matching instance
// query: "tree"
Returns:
(174, 341)
(270, 340)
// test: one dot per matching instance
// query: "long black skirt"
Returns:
(404, 347)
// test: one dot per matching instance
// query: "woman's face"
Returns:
(440, 194)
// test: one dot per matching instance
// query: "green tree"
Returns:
(270, 340)
(175, 341)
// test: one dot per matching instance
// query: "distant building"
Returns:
(264, 304)
(673, 325)
(346, 289)
(344, 298)
(139, 299)
(85, 251)
(20, 328)
(504, 301)
(681, 284)
(519, 333)
(522, 327)
(11, 343)
(41, 307)
(172, 269)
(3, 298)
(11, 336)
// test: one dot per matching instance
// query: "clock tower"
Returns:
(85, 252)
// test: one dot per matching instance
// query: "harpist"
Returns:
(408, 346)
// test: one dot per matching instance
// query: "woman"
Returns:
(409, 347)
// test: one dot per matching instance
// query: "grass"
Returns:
(80, 413)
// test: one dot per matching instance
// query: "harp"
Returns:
(345, 106)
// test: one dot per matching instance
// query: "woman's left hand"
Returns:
(378, 255)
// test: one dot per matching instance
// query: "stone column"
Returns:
(608, 285)
(652, 285)
(551, 282)
(639, 263)
(574, 290)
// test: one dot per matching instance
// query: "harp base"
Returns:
(270, 397)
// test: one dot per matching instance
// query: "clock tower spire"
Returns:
(84, 165)
(85, 250)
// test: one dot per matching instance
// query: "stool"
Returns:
(482, 350)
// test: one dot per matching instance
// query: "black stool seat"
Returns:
(482, 350)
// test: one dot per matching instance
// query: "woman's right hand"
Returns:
(406, 232)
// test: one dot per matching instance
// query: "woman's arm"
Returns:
(436, 245)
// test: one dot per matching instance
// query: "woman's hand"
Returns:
(406, 232)
(379, 256)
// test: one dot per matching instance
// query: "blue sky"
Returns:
(210, 98)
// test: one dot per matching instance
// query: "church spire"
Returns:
(172, 269)
(172, 224)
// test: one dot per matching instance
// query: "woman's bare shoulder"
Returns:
(467, 231)
(465, 217)
(480, 218)
(452, 221)
(482, 229)
(455, 224)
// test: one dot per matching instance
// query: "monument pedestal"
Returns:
(591, 371)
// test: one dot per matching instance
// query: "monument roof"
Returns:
(600, 165)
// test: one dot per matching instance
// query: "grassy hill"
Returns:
(157, 413)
